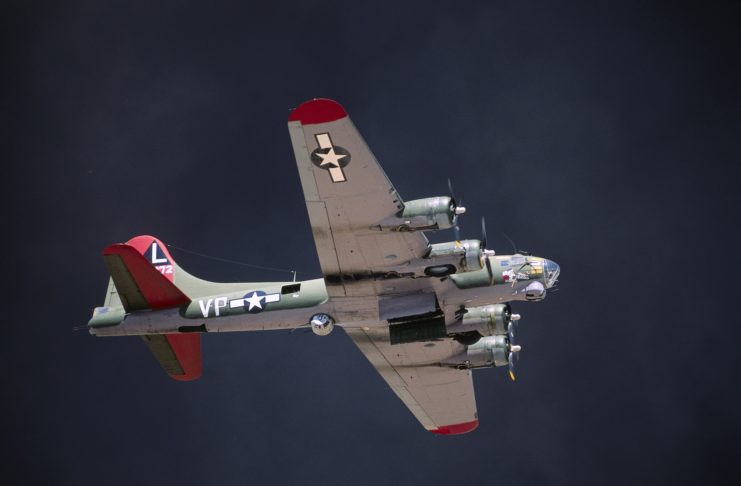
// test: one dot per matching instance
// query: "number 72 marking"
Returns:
(164, 269)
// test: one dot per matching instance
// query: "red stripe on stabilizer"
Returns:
(456, 429)
(157, 290)
(187, 348)
(318, 110)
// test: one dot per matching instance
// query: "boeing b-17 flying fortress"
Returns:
(423, 314)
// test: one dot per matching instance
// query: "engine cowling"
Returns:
(432, 213)
(465, 255)
(486, 353)
(488, 320)
(489, 351)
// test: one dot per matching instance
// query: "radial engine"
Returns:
(432, 213)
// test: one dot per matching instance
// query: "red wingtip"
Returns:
(318, 110)
(456, 429)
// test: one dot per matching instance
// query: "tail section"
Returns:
(143, 273)
(142, 270)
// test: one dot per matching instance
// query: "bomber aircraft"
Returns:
(425, 315)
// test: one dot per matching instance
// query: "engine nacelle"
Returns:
(488, 320)
(486, 353)
(321, 324)
(465, 255)
(489, 351)
(432, 213)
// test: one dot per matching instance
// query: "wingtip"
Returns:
(318, 110)
(456, 429)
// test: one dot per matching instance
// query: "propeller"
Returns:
(513, 319)
(483, 232)
(514, 349)
(450, 189)
(458, 209)
(514, 248)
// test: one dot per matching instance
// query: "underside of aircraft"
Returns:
(425, 315)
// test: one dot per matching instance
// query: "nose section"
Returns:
(552, 271)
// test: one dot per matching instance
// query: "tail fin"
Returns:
(143, 272)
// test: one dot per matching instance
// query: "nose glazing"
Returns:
(552, 271)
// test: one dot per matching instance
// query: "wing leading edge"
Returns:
(348, 196)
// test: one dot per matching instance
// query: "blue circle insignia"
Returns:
(254, 302)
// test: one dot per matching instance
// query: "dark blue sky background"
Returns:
(602, 135)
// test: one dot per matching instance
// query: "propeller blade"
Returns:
(511, 367)
(458, 209)
(513, 350)
(458, 203)
(483, 232)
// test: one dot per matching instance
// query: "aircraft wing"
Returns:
(441, 398)
(347, 194)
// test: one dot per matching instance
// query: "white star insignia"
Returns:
(331, 157)
(255, 301)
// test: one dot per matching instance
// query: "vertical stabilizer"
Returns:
(142, 277)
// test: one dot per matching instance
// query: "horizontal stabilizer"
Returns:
(179, 354)
(140, 285)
